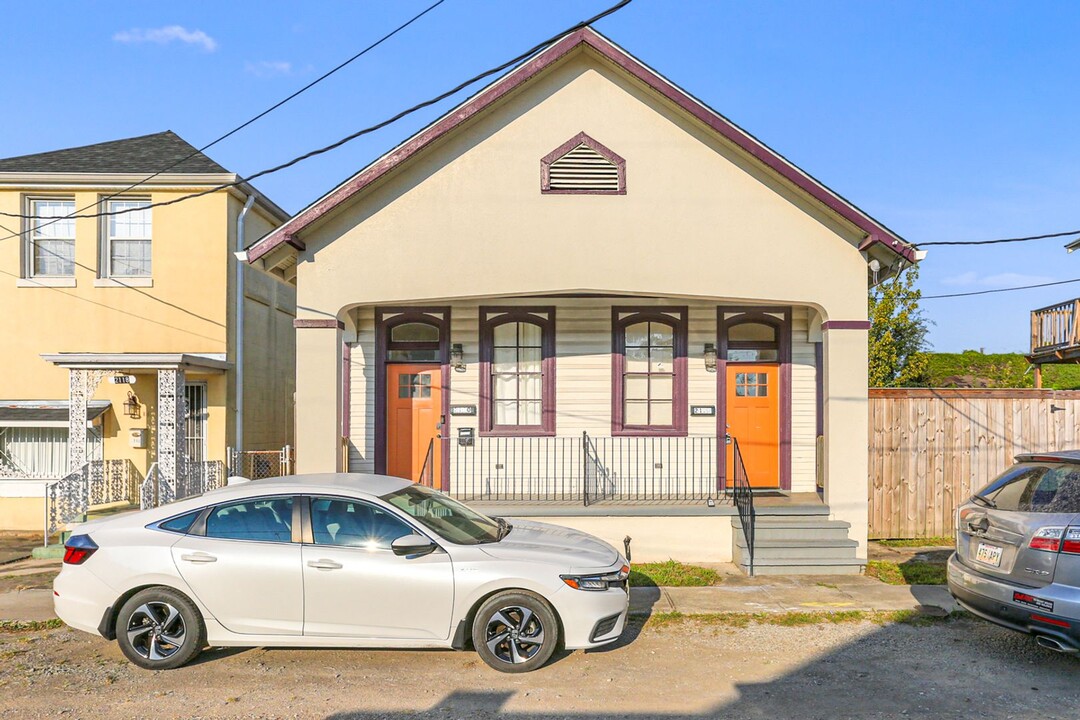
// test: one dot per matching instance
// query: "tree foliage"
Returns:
(898, 344)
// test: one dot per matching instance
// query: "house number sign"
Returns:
(469, 410)
(703, 410)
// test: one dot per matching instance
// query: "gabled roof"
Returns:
(145, 154)
(875, 232)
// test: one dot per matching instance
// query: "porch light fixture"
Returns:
(131, 406)
(710, 357)
(457, 357)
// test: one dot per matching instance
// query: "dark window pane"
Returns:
(354, 524)
(1011, 490)
(412, 355)
(752, 332)
(263, 520)
(180, 524)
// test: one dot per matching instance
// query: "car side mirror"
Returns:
(413, 546)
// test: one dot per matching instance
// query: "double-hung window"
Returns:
(649, 368)
(517, 355)
(50, 250)
(127, 239)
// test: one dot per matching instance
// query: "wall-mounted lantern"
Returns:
(710, 357)
(457, 357)
(131, 406)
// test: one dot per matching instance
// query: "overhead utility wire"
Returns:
(999, 290)
(236, 129)
(378, 126)
(997, 242)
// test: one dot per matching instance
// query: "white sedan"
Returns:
(339, 560)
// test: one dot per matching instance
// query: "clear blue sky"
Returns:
(943, 120)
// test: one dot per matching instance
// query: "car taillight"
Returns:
(78, 548)
(1047, 538)
(1071, 542)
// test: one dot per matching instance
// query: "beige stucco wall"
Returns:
(658, 538)
(186, 310)
(465, 218)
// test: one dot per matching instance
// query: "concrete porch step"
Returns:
(796, 528)
(842, 549)
(804, 567)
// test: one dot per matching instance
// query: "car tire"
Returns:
(160, 629)
(515, 631)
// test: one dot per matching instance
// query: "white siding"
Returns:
(583, 374)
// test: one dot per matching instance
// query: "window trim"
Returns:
(105, 243)
(679, 404)
(517, 313)
(30, 278)
(581, 139)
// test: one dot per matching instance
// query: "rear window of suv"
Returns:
(1037, 487)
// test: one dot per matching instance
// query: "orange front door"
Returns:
(753, 418)
(413, 416)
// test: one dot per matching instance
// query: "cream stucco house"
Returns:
(130, 321)
(562, 298)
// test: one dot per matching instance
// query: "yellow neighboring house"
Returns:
(122, 345)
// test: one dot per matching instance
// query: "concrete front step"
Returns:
(804, 567)
(798, 549)
(772, 528)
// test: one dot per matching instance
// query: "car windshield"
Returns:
(447, 518)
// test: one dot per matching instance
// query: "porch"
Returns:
(1055, 336)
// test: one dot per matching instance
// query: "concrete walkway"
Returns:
(806, 593)
(745, 595)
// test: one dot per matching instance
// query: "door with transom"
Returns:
(413, 420)
(753, 417)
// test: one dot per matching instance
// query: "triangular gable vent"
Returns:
(584, 166)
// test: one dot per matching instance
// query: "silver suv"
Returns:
(1017, 559)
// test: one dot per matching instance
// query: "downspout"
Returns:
(240, 244)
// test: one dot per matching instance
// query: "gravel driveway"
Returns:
(958, 669)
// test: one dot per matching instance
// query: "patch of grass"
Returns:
(799, 619)
(14, 626)
(672, 574)
(938, 541)
(911, 572)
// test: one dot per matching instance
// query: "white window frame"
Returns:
(30, 239)
(105, 272)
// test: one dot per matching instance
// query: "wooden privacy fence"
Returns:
(930, 449)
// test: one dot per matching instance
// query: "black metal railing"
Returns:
(427, 471)
(743, 498)
(585, 469)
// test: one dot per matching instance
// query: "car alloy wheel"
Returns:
(160, 629)
(515, 631)
(156, 630)
(514, 634)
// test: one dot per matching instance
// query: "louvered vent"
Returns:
(584, 169)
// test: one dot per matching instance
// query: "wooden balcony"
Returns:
(1055, 334)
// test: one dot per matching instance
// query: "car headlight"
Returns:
(597, 582)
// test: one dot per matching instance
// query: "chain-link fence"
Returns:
(257, 464)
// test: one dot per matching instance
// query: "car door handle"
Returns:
(324, 565)
(198, 558)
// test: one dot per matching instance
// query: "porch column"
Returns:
(845, 408)
(171, 432)
(81, 386)
(318, 394)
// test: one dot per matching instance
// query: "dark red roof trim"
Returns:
(876, 233)
(845, 325)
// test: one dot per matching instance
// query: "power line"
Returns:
(235, 130)
(999, 290)
(999, 241)
(370, 129)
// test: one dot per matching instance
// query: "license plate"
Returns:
(988, 554)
